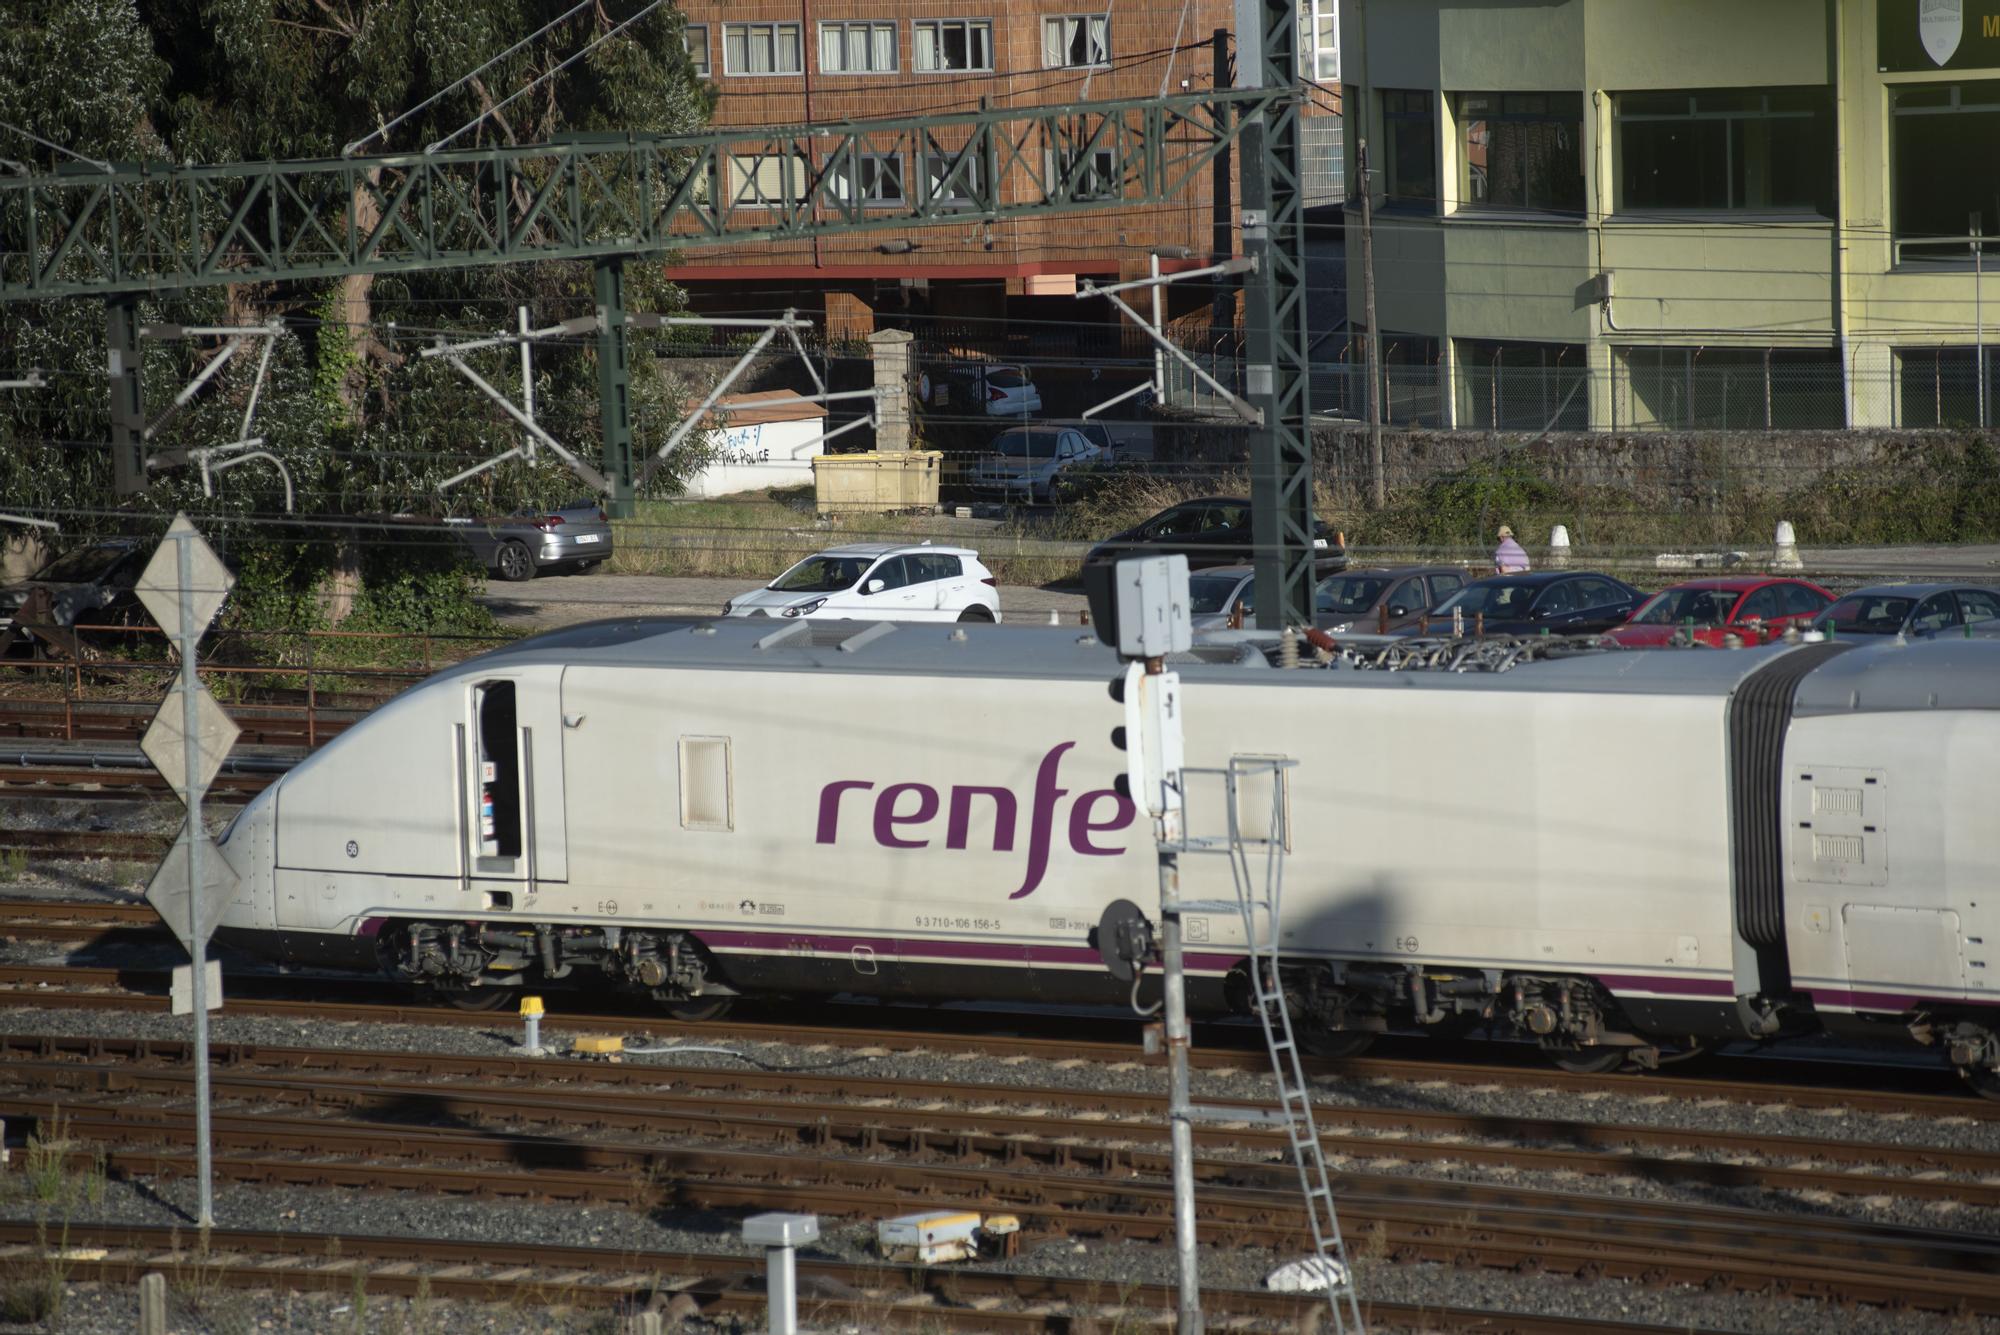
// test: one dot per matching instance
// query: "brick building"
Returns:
(785, 62)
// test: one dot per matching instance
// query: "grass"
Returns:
(755, 535)
(32, 1285)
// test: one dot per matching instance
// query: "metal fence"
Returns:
(1748, 395)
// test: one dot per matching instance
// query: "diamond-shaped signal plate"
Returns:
(159, 586)
(165, 742)
(168, 890)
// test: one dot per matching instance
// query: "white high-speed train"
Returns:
(1622, 853)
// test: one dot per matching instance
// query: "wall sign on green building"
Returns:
(1937, 35)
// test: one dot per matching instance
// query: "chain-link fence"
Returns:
(1674, 389)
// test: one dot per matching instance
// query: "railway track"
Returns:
(127, 721)
(1219, 1046)
(58, 845)
(86, 783)
(869, 1115)
(721, 1286)
(1064, 1191)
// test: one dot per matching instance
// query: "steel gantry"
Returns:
(613, 199)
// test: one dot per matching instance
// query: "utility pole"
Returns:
(1378, 487)
(1979, 312)
(1275, 371)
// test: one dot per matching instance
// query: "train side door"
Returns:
(512, 829)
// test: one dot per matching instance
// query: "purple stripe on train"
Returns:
(900, 823)
(927, 948)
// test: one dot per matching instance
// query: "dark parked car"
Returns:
(1384, 599)
(90, 585)
(1909, 609)
(576, 536)
(1754, 608)
(1213, 531)
(1561, 602)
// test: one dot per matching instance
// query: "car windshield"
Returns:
(1677, 607)
(1494, 600)
(81, 566)
(1210, 594)
(1024, 444)
(822, 574)
(1348, 593)
(1005, 379)
(1865, 614)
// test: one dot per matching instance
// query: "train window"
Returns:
(706, 799)
(499, 771)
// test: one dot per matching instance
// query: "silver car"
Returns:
(576, 536)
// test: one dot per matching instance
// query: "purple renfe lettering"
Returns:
(1080, 823)
(959, 824)
(829, 807)
(886, 819)
(1043, 817)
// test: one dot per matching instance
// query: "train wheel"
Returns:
(1588, 1061)
(1335, 1043)
(693, 1010)
(1984, 1079)
(480, 998)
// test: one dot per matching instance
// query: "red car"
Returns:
(1756, 608)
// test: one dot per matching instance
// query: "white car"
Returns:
(878, 581)
(1024, 463)
(998, 391)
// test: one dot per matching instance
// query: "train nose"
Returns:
(250, 845)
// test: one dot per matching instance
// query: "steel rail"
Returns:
(873, 1116)
(1652, 1242)
(480, 1270)
(1224, 1046)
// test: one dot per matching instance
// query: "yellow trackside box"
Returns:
(929, 1237)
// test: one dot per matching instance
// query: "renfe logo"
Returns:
(905, 806)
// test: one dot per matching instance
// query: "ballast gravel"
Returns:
(321, 1210)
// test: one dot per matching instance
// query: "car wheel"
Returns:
(514, 562)
(977, 612)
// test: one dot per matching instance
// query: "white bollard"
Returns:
(1055, 617)
(1559, 547)
(1785, 548)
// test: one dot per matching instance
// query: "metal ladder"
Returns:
(1256, 895)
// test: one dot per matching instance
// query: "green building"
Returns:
(1677, 213)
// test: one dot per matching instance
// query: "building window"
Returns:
(857, 48)
(1738, 148)
(761, 48)
(1939, 387)
(954, 179)
(1508, 386)
(1409, 148)
(1319, 40)
(869, 178)
(758, 180)
(1070, 40)
(1730, 388)
(1091, 174)
(1946, 138)
(695, 38)
(951, 44)
(1522, 150)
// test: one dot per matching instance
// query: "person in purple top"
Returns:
(1508, 557)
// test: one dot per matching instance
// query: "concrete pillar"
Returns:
(1448, 386)
(890, 350)
(153, 1304)
(1871, 385)
(1603, 416)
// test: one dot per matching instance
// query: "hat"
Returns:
(1506, 532)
